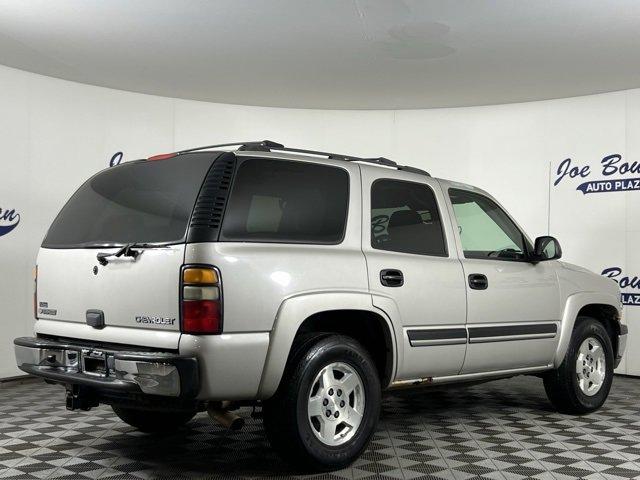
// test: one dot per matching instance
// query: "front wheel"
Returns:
(582, 382)
(327, 406)
(150, 421)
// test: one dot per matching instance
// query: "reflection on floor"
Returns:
(501, 430)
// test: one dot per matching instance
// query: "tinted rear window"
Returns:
(287, 202)
(147, 202)
(405, 218)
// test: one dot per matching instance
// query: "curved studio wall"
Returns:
(54, 134)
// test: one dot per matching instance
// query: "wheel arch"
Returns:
(335, 312)
(609, 316)
(603, 307)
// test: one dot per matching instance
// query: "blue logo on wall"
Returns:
(9, 219)
(116, 159)
(626, 283)
(616, 172)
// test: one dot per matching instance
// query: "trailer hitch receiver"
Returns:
(80, 397)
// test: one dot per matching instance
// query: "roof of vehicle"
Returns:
(260, 147)
(268, 148)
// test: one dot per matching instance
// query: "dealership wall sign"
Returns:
(630, 286)
(9, 219)
(617, 175)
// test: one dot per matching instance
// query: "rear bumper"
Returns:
(151, 373)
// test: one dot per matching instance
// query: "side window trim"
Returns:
(439, 208)
(525, 241)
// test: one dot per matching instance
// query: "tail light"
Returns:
(35, 292)
(201, 300)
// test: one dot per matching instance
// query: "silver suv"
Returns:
(305, 283)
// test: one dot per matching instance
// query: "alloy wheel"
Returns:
(336, 404)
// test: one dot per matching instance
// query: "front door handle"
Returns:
(391, 278)
(478, 281)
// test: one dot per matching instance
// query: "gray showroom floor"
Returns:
(499, 430)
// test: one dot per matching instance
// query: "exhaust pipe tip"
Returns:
(227, 419)
(236, 424)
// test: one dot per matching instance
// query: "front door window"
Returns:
(486, 231)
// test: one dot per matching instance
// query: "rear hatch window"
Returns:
(137, 202)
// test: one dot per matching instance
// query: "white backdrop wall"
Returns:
(54, 134)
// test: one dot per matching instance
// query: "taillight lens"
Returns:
(35, 292)
(201, 300)
(200, 316)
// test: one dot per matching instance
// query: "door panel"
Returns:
(516, 292)
(430, 298)
(515, 354)
(420, 301)
(513, 306)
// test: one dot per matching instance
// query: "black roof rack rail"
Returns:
(268, 146)
(264, 145)
(410, 169)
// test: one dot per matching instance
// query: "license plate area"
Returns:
(94, 362)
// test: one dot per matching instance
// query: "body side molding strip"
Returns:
(509, 338)
(503, 333)
(437, 336)
(434, 336)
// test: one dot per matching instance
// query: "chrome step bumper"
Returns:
(152, 373)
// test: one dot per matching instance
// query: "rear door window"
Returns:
(148, 202)
(405, 218)
(287, 202)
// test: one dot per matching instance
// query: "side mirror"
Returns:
(546, 248)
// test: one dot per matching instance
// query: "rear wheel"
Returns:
(153, 421)
(582, 382)
(327, 406)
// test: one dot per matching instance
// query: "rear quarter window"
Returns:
(281, 201)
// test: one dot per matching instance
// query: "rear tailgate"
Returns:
(144, 204)
(139, 294)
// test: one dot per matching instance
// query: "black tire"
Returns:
(561, 384)
(152, 421)
(286, 422)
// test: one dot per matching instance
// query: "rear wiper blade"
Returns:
(126, 251)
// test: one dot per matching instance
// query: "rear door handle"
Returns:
(478, 281)
(391, 278)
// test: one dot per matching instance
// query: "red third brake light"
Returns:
(162, 156)
(201, 300)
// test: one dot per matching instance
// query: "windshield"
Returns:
(142, 202)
